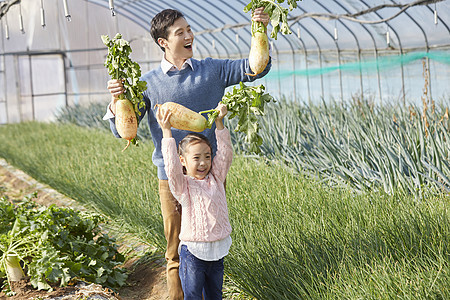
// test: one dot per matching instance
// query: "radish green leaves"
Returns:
(57, 245)
(277, 13)
(121, 67)
(246, 103)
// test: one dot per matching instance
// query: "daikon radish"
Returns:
(183, 118)
(259, 53)
(259, 47)
(126, 121)
(13, 268)
(121, 67)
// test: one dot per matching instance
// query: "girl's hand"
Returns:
(259, 15)
(222, 108)
(163, 117)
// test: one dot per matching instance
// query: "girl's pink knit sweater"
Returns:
(204, 215)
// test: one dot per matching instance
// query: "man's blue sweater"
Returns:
(198, 88)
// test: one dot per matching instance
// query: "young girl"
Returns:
(197, 182)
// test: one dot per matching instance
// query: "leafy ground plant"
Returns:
(56, 245)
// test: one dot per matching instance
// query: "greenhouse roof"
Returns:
(222, 28)
(333, 24)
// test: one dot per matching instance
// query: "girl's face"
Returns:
(197, 160)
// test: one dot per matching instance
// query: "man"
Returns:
(198, 85)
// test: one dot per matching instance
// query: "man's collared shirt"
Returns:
(167, 66)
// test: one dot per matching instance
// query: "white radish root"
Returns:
(183, 118)
(258, 57)
(126, 121)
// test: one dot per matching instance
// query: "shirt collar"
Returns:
(167, 66)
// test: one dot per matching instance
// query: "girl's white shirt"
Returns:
(208, 251)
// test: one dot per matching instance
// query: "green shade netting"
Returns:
(382, 62)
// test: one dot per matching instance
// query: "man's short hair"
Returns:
(161, 22)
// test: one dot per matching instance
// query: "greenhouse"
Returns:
(333, 172)
(52, 54)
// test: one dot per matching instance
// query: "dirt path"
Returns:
(146, 280)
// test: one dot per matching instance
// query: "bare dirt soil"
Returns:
(146, 279)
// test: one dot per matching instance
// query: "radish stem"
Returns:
(212, 116)
(207, 111)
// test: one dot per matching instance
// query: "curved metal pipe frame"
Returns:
(134, 10)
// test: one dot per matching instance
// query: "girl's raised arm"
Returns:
(222, 108)
(163, 116)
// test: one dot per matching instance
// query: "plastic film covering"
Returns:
(51, 54)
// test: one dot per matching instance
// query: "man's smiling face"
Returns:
(178, 44)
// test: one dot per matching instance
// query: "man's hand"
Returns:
(259, 15)
(115, 88)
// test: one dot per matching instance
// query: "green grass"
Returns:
(293, 238)
(299, 240)
(362, 145)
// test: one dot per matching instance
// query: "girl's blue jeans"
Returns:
(199, 276)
